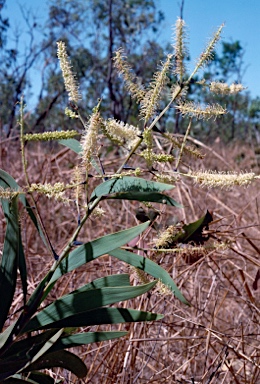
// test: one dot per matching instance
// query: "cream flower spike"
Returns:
(69, 77)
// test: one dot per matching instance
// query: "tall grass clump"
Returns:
(59, 314)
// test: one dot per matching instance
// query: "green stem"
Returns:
(174, 96)
(183, 144)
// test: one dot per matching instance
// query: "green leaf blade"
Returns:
(151, 197)
(62, 359)
(78, 339)
(128, 184)
(41, 378)
(96, 248)
(151, 268)
(25, 352)
(119, 280)
(72, 144)
(75, 303)
(193, 232)
(76, 147)
(105, 315)
(10, 257)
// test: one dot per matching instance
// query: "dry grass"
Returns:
(216, 340)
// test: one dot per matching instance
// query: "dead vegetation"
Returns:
(216, 339)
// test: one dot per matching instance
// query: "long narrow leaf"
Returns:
(15, 361)
(120, 280)
(149, 267)
(7, 181)
(92, 250)
(4, 336)
(102, 316)
(32, 216)
(29, 346)
(11, 183)
(41, 378)
(76, 303)
(17, 379)
(75, 146)
(49, 343)
(193, 232)
(9, 368)
(85, 338)
(63, 359)
(128, 184)
(10, 257)
(153, 197)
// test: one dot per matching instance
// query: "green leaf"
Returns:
(10, 257)
(75, 303)
(7, 181)
(76, 147)
(128, 184)
(13, 241)
(119, 280)
(4, 336)
(16, 360)
(63, 359)
(9, 368)
(41, 378)
(30, 212)
(85, 338)
(193, 232)
(49, 343)
(17, 379)
(92, 250)
(153, 197)
(29, 346)
(149, 267)
(105, 316)
(73, 144)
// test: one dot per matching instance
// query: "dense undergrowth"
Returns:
(188, 342)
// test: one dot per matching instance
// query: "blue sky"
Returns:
(241, 18)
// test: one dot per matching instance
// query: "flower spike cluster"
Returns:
(180, 48)
(121, 133)
(89, 139)
(125, 70)
(225, 89)
(46, 136)
(69, 77)
(152, 97)
(207, 54)
(223, 180)
(193, 110)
